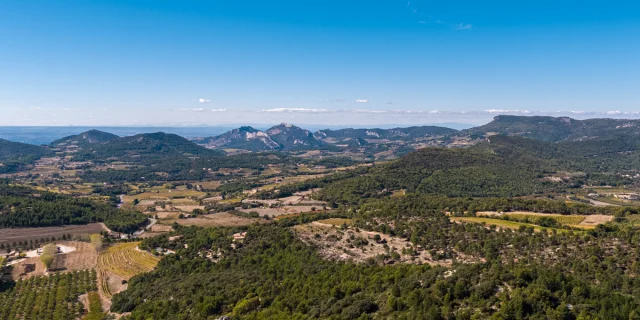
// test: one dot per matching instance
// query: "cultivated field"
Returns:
(579, 221)
(44, 297)
(82, 256)
(502, 223)
(121, 262)
(10, 235)
(279, 211)
(221, 219)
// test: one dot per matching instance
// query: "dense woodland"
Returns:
(24, 207)
(276, 276)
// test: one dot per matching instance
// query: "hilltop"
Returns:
(245, 137)
(84, 139)
(145, 144)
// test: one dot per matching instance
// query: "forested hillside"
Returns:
(15, 156)
(501, 166)
(554, 129)
(273, 275)
(145, 147)
(25, 207)
(85, 139)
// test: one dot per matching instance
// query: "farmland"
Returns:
(122, 261)
(47, 297)
(11, 235)
(80, 256)
(217, 220)
(501, 223)
(578, 221)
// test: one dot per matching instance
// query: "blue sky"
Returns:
(334, 62)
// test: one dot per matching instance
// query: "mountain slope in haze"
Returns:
(245, 137)
(287, 137)
(15, 156)
(404, 134)
(290, 137)
(555, 129)
(85, 138)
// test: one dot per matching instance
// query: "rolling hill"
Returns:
(151, 145)
(84, 139)
(15, 156)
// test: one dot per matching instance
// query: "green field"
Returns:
(336, 221)
(502, 223)
(568, 220)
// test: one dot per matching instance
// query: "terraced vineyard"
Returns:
(124, 260)
(48, 297)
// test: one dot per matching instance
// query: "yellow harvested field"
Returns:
(580, 221)
(210, 185)
(126, 260)
(336, 221)
(221, 219)
(501, 223)
(188, 209)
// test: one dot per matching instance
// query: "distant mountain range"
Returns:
(287, 137)
(595, 137)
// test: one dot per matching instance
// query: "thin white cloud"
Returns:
(362, 101)
(203, 100)
(506, 111)
(218, 110)
(303, 110)
(464, 26)
(371, 111)
(612, 112)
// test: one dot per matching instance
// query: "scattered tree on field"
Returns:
(48, 253)
(96, 241)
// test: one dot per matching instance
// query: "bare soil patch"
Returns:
(282, 210)
(218, 220)
(595, 219)
(160, 228)
(10, 235)
(359, 246)
(82, 258)
(166, 214)
(189, 208)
